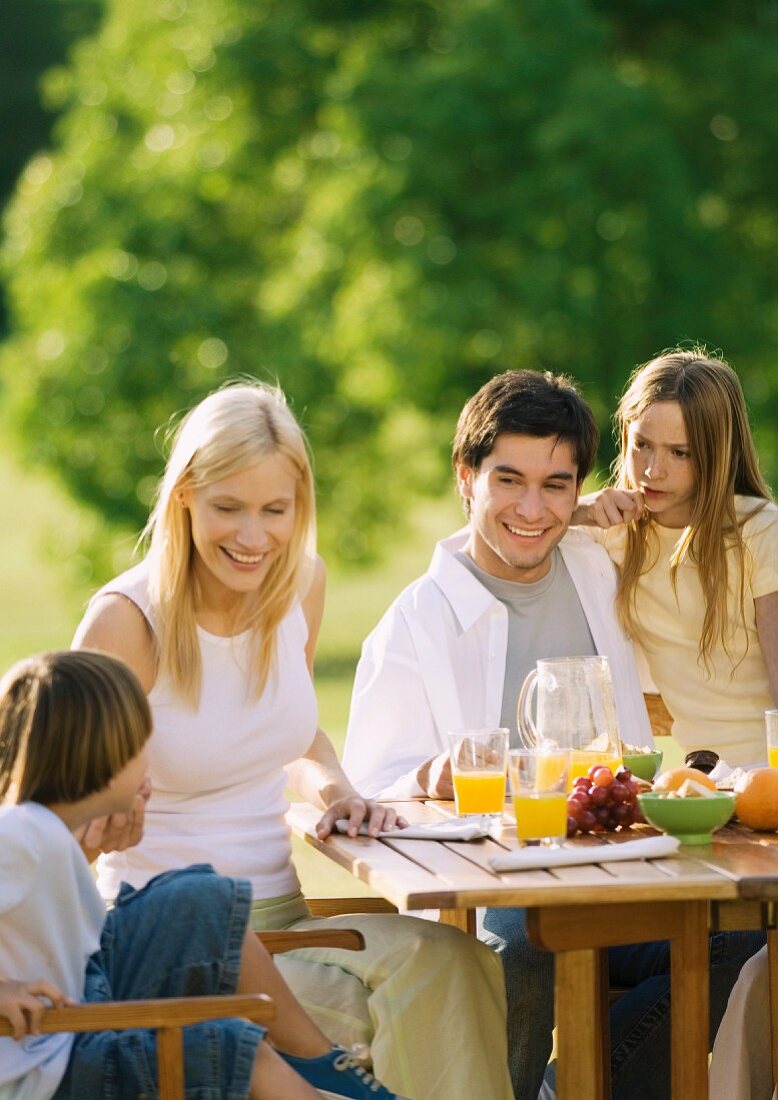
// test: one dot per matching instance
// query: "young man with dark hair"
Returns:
(515, 585)
(452, 651)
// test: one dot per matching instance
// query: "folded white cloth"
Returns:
(441, 830)
(567, 855)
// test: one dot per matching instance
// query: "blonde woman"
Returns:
(698, 557)
(219, 622)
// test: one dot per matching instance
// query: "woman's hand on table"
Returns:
(356, 810)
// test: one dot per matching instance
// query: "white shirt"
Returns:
(51, 918)
(217, 769)
(436, 662)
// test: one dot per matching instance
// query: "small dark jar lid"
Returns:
(704, 760)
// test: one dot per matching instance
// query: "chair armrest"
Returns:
(335, 907)
(162, 1013)
(346, 938)
(658, 715)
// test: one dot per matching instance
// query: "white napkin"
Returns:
(441, 830)
(538, 857)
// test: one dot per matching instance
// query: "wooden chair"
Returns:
(658, 715)
(169, 1015)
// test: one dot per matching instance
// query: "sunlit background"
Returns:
(379, 204)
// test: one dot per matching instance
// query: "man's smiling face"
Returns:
(522, 499)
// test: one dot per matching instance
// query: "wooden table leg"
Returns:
(459, 918)
(583, 1031)
(570, 931)
(690, 1004)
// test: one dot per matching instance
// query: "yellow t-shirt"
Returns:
(722, 710)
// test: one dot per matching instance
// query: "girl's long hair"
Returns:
(229, 430)
(725, 464)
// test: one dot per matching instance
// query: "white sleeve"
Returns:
(391, 728)
(18, 865)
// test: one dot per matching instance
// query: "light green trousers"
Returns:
(427, 999)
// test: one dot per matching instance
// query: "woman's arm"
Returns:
(766, 608)
(115, 625)
(317, 776)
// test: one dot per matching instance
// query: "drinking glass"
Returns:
(771, 729)
(478, 763)
(576, 710)
(539, 793)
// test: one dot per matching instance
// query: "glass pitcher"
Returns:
(576, 710)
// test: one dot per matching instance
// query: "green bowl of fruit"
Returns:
(643, 763)
(690, 819)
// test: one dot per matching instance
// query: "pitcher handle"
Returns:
(528, 734)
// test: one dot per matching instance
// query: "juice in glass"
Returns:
(539, 793)
(771, 729)
(479, 792)
(479, 758)
(583, 759)
(540, 816)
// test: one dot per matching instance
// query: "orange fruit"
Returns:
(757, 799)
(674, 778)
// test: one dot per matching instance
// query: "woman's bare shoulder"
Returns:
(115, 624)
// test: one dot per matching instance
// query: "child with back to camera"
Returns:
(73, 730)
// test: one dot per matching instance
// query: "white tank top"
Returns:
(217, 771)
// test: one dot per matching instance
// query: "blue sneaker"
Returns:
(340, 1075)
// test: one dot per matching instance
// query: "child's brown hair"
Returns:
(69, 722)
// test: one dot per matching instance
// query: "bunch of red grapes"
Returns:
(601, 801)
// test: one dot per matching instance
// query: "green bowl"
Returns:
(692, 820)
(644, 765)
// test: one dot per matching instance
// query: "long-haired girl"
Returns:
(699, 564)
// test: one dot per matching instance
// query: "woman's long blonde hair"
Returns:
(229, 430)
(725, 464)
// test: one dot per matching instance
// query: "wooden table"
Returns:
(578, 912)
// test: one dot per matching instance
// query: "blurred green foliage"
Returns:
(381, 205)
(36, 34)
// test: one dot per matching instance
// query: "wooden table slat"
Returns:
(445, 863)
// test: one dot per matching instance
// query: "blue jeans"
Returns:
(640, 1019)
(180, 936)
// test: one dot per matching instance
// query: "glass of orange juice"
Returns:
(771, 728)
(479, 760)
(539, 793)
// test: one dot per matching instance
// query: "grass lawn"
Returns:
(46, 584)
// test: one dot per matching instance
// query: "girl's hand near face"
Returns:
(609, 507)
(22, 1004)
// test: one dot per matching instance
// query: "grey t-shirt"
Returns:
(545, 619)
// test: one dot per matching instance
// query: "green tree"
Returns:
(36, 35)
(381, 205)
